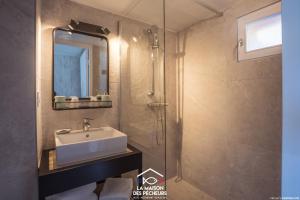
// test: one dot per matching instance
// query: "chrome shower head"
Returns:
(153, 36)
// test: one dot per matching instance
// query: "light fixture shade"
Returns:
(86, 27)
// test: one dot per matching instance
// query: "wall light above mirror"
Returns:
(80, 70)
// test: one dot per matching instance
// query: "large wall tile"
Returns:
(232, 112)
(18, 157)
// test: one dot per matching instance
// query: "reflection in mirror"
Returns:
(80, 64)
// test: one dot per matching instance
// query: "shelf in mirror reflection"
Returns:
(82, 104)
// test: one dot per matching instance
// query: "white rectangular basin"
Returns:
(81, 145)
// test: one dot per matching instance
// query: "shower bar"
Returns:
(151, 92)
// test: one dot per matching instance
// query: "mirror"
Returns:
(80, 65)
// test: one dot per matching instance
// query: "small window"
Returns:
(260, 33)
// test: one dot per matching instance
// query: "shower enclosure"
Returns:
(142, 99)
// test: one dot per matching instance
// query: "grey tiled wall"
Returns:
(18, 160)
(232, 112)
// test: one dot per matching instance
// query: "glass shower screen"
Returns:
(142, 103)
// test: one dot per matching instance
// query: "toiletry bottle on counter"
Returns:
(59, 99)
(105, 97)
(98, 96)
(105, 100)
(74, 102)
(60, 102)
(93, 101)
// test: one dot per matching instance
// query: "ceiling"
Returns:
(180, 14)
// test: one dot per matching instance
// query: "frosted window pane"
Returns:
(263, 33)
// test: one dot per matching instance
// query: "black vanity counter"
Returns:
(52, 181)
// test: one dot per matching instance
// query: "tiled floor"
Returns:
(184, 191)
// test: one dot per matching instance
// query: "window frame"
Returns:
(251, 17)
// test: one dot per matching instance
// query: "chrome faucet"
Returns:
(86, 124)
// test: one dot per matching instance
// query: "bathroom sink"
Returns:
(79, 145)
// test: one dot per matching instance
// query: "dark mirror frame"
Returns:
(83, 33)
